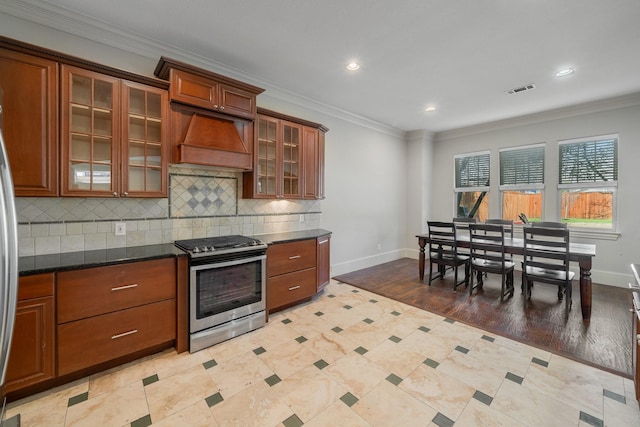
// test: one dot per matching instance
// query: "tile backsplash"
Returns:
(201, 203)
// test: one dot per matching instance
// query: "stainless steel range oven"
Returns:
(227, 280)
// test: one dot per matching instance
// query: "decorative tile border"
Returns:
(196, 196)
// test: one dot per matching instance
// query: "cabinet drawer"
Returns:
(88, 342)
(288, 257)
(291, 287)
(100, 290)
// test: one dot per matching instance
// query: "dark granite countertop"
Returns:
(292, 236)
(73, 260)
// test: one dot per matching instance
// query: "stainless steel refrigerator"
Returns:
(8, 261)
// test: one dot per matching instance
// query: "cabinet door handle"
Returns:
(115, 194)
(124, 334)
(322, 242)
(126, 194)
(222, 107)
(120, 288)
(295, 256)
(215, 106)
(294, 288)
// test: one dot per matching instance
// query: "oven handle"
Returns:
(214, 264)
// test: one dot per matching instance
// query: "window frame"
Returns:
(522, 186)
(590, 185)
(470, 189)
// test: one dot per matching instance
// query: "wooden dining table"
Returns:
(582, 253)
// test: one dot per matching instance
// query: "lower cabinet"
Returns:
(32, 357)
(324, 262)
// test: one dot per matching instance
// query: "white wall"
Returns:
(621, 116)
(365, 162)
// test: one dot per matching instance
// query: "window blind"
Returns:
(589, 161)
(472, 171)
(522, 166)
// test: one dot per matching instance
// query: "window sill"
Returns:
(595, 234)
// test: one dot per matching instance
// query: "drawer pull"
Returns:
(322, 242)
(294, 288)
(124, 334)
(295, 256)
(120, 288)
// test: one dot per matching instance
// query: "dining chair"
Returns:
(543, 224)
(443, 252)
(546, 260)
(507, 224)
(488, 256)
(462, 229)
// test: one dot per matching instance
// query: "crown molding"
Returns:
(622, 101)
(66, 20)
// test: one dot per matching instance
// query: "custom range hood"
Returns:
(212, 116)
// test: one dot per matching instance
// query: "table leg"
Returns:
(422, 243)
(585, 287)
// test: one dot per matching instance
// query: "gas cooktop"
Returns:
(219, 245)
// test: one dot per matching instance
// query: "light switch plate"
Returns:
(121, 229)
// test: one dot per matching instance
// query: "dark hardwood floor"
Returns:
(604, 341)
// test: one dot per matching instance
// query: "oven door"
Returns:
(221, 291)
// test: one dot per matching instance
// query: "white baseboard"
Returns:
(360, 263)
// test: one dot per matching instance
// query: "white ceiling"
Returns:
(459, 55)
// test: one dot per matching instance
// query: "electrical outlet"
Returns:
(301, 217)
(121, 229)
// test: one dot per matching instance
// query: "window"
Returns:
(472, 185)
(588, 181)
(522, 182)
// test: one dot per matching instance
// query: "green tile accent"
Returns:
(373, 301)
(348, 307)
(142, 422)
(331, 296)
(319, 313)
(394, 379)
(449, 321)
(367, 320)
(540, 362)
(293, 421)
(462, 349)
(321, 364)
(210, 364)
(513, 377)
(395, 339)
(591, 420)
(301, 339)
(258, 351)
(484, 398)
(615, 396)
(287, 321)
(488, 338)
(395, 313)
(12, 422)
(424, 329)
(349, 399)
(442, 421)
(150, 380)
(355, 291)
(432, 363)
(272, 380)
(361, 350)
(77, 399)
(214, 399)
(337, 329)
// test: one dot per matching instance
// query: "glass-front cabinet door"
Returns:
(143, 141)
(90, 105)
(267, 157)
(291, 160)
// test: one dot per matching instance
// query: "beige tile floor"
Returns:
(348, 358)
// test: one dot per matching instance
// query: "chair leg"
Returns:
(471, 283)
(502, 287)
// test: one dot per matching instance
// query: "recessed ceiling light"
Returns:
(430, 109)
(565, 72)
(353, 66)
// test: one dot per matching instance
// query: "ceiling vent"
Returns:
(521, 89)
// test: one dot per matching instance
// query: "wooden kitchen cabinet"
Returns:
(323, 262)
(30, 122)
(32, 357)
(113, 136)
(109, 312)
(291, 273)
(288, 159)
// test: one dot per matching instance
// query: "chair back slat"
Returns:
(487, 242)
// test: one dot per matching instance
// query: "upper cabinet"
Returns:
(113, 136)
(30, 121)
(288, 159)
